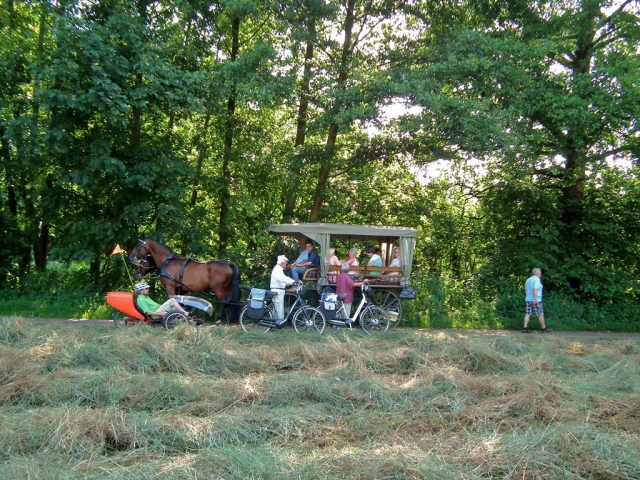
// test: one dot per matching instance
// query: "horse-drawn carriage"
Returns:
(389, 284)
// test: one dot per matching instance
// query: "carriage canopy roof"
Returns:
(341, 231)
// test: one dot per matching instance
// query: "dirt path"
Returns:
(459, 331)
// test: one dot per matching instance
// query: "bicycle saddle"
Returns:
(271, 293)
(342, 296)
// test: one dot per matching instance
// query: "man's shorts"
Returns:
(535, 308)
(168, 305)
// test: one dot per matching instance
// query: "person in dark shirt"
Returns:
(307, 259)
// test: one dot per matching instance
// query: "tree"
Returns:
(546, 95)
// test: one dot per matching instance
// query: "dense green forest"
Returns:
(202, 123)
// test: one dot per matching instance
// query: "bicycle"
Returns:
(304, 317)
(370, 317)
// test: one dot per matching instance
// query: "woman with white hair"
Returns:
(333, 258)
(352, 258)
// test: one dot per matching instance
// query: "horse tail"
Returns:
(235, 292)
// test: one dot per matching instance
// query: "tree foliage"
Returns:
(202, 123)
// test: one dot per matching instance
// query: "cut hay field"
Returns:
(93, 402)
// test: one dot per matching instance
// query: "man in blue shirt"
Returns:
(533, 300)
(308, 259)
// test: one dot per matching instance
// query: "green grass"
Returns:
(81, 401)
(93, 308)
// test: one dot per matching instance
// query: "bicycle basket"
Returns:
(255, 305)
(329, 305)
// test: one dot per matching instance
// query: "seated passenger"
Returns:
(374, 260)
(352, 258)
(396, 262)
(151, 308)
(334, 261)
(308, 259)
(333, 258)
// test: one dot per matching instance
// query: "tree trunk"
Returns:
(325, 167)
(202, 154)
(225, 195)
(41, 244)
(291, 193)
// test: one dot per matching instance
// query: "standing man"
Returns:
(533, 300)
(279, 282)
(308, 259)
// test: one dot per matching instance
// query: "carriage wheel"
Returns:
(308, 319)
(121, 320)
(250, 325)
(390, 303)
(173, 318)
(374, 320)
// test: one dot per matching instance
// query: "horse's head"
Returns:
(140, 251)
(144, 267)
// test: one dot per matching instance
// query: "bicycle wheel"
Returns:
(196, 316)
(374, 319)
(121, 320)
(308, 319)
(290, 303)
(249, 324)
(173, 318)
(390, 303)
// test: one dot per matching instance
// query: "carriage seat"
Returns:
(126, 303)
(374, 275)
(311, 275)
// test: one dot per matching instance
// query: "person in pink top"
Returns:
(345, 284)
(333, 258)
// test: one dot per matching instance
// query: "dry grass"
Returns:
(94, 402)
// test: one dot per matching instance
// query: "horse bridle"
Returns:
(136, 261)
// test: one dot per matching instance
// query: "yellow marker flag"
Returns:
(116, 250)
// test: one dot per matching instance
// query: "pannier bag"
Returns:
(329, 305)
(255, 306)
(407, 293)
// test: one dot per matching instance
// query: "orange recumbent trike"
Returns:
(128, 314)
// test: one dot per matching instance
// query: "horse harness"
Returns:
(162, 270)
(178, 281)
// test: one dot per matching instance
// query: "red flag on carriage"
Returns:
(116, 250)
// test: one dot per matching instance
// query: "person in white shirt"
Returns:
(396, 262)
(279, 281)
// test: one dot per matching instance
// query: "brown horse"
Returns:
(179, 273)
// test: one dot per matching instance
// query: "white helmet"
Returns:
(140, 287)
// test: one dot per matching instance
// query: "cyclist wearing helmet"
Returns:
(149, 307)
